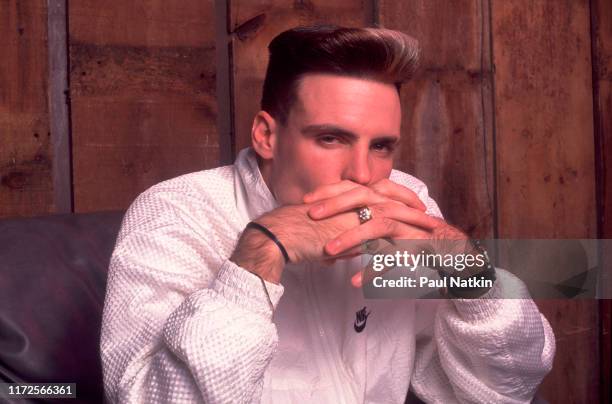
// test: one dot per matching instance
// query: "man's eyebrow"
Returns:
(336, 130)
(386, 139)
(329, 129)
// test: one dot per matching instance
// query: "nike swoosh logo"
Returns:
(359, 327)
(361, 319)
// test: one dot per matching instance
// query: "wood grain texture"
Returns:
(253, 24)
(544, 118)
(447, 109)
(26, 186)
(142, 80)
(575, 376)
(545, 161)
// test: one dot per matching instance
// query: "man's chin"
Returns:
(290, 200)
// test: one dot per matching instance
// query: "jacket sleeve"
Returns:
(180, 322)
(492, 349)
(495, 349)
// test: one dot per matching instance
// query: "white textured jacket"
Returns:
(183, 324)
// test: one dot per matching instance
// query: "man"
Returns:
(225, 285)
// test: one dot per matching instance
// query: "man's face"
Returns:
(340, 128)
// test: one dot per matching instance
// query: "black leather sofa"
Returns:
(52, 284)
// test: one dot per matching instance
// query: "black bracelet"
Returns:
(271, 236)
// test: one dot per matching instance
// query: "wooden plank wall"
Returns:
(26, 184)
(509, 122)
(545, 160)
(447, 111)
(142, 82)
(601, 44)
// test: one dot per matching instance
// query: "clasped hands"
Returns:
(327, 226)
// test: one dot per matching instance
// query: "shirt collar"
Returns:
(253, 195)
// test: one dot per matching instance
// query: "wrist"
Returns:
(258, 254)
(284, 236)
(263, 229)
(482, 275)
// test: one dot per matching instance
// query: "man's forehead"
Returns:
(329, 95)
(323, 81)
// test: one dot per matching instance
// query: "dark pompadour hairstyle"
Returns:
(373, 53)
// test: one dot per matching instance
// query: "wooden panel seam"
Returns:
(599, 115)
(375, 7)
(225, 116)
(59, 120)
(494, 191)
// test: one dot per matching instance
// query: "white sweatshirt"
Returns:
(183, 324)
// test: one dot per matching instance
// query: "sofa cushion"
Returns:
(52, 284)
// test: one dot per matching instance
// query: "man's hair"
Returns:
(377, 54)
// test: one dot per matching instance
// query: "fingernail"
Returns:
(316, 210)
(333, 246)
(356, 280)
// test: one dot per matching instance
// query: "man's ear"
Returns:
(264, 135)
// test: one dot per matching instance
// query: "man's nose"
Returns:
(358, 168)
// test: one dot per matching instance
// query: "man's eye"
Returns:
(382, 147)
(328, 139)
